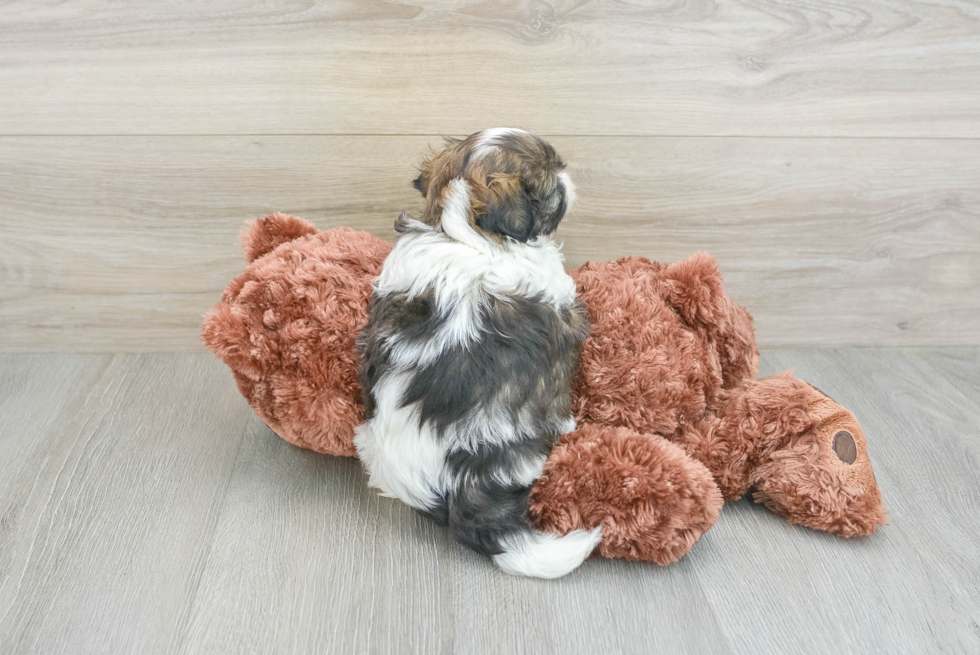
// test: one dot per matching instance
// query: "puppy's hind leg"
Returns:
(489, 515)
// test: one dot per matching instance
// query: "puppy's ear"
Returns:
(508, 208)
(421, 183)
(439, 168)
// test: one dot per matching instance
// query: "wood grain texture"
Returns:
(861, 68)
(307, 559)
(959, 367)
(122, 243)
(136, 517)
(113, 470)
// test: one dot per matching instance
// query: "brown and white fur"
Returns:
(473, 339)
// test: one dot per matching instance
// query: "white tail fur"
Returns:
(543, 555)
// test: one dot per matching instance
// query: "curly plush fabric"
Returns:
(287, 327)
(652, 500)
(671, 420)
(267, 234)
(747, 430)
(671, 355)
(665, 341)
(811, 481)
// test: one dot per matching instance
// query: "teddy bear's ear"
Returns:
(266, 234)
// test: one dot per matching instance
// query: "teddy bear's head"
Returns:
(287, 328)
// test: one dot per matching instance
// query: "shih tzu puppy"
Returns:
(472, 342)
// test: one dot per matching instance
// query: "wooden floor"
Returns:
(144, 509)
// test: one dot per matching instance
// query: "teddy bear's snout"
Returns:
(823, 480)
(844, 447)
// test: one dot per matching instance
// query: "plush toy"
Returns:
(671, 420)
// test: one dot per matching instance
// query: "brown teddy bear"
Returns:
(671, 419)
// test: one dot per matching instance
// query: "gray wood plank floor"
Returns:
(143, 508)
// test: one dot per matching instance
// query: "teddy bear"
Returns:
(671, 420)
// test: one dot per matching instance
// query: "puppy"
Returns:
(473, 339)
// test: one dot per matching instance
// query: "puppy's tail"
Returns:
(545, 555)
(490, 517)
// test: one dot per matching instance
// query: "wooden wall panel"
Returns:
(121, 243)
(789, 68)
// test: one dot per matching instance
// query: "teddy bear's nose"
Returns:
(844, 447)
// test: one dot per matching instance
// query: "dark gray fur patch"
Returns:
(413, 320)
(475, 507)
(522, 364)
(482, 514)
(519, 372)
(482, 510)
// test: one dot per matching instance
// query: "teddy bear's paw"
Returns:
(652, 500)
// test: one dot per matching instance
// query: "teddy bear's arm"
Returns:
(652, 500)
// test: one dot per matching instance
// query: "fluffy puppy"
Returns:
(473, 339)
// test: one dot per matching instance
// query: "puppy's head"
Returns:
(504, 183)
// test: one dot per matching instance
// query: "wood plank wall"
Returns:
(828, 154)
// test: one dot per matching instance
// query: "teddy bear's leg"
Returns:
(652, 500)
(803, 454)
